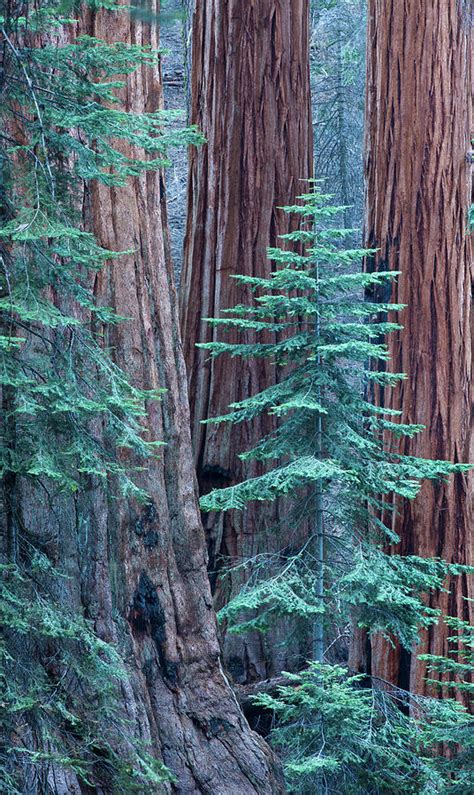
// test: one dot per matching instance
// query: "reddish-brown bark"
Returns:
(418, 192)
(140, 572)
(191, 711)
(251, 98)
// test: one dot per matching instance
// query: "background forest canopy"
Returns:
(236, 458)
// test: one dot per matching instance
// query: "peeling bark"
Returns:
(251, 98)
(418, 191)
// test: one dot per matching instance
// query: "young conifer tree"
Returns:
(331, 439)
(334, 452)
(62, 124)
(336, 735)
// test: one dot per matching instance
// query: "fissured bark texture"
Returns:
(139, 572)
(251, 98)
(418, 191)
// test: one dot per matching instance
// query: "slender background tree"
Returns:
(337, 59)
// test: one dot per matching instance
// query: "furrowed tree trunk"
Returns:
(251, 98)
(159, 552)
(139, 572)
(418, 192)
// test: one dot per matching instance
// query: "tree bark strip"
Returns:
(418, 121)
(251, 98)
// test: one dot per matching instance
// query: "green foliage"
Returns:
(317, 326)
(57, 375)
(384, 593)
(455, 676)
(58, 683)
(337, 736)
(459, 665)
(69, 412)
(49, 373)
(337, 459)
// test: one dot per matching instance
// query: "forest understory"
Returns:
(237, 449)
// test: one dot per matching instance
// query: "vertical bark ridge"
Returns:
(159, 551)
(250, 96)
(418, 191)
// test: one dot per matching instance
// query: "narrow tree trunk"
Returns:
(341, 129)
(418, 126)
(251, 98)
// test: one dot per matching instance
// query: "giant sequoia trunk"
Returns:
(159, 552)
(250, 97)
(140, 572)
(418, 126)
